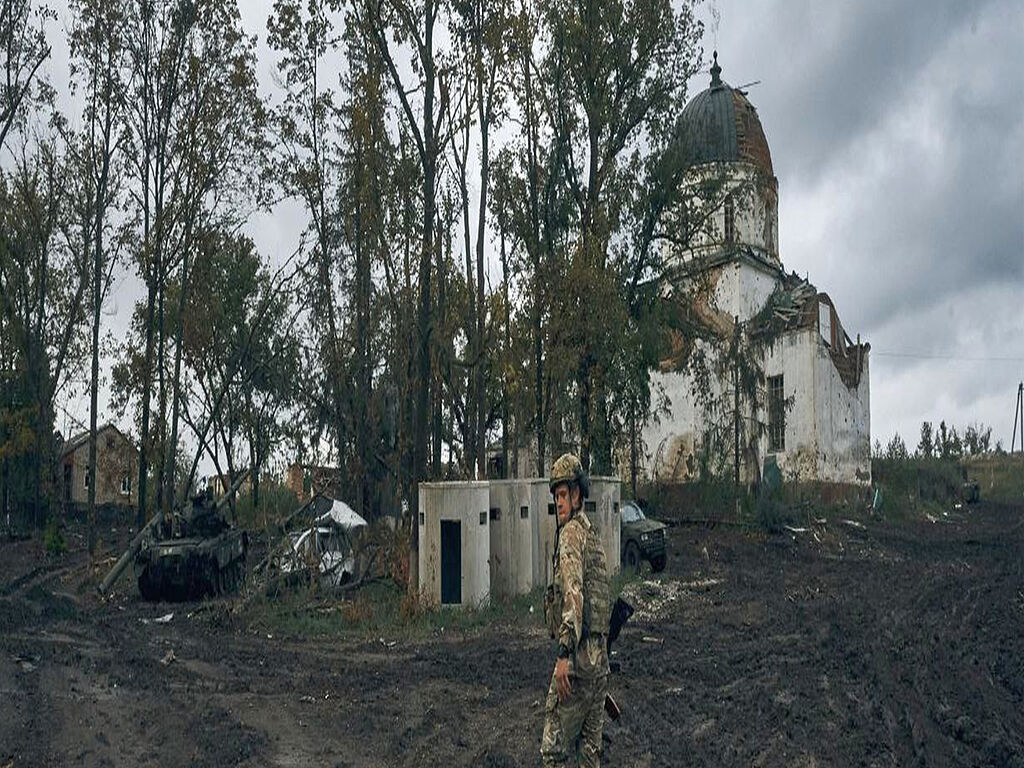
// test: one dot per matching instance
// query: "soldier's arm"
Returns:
(570, 565)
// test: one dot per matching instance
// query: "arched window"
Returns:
(730, 220)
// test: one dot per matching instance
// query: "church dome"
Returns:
(719, 125)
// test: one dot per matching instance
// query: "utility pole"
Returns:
(736, 401)
(1018, 418)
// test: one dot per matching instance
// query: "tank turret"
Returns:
(195, 552)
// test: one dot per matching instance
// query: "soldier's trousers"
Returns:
(573, 726)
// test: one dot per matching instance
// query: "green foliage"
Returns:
(276, 502)
(53, 539)
(917, 485)
(999, 475)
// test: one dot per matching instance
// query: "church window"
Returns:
(776, 414)
(730, 220)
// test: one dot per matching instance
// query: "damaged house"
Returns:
(760, 364)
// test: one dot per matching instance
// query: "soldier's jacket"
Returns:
(577, 607)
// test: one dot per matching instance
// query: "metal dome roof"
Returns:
(720, 125)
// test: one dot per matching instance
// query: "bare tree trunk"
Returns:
(170, 455)
(508, 348)
(478, 364)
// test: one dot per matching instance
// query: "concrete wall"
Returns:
(843, 416)
(512, 536)
(545, 524)
(465, 502)
(605, 496)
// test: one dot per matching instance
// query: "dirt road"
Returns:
(887, 645)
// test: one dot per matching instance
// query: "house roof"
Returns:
(75, 442)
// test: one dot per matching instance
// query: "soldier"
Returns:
(577, 611)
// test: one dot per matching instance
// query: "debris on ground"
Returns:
(654, 599)
(165, 619)
(168, 658)
(26, 662)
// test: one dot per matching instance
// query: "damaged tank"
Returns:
(195, 553)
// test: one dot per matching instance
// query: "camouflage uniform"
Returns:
(577, 610)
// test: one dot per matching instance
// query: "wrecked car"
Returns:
(642, 539)
(326, 546)
(324, 549)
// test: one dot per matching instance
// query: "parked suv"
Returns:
(642, 538)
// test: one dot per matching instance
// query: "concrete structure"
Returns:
(804, 395)
(497, 538)
(513, 520)
(603, 510)
(455, 543)
(544, 529)
(117, 468)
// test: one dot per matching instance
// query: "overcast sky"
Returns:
(897, 136)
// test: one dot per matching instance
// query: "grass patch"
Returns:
(384, 609)
(1001, 476)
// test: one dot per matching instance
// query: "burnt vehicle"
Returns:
(193, 553)
(327, 546)
(642, 539)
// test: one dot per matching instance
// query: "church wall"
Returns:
(844, 423)
(827, 426)
(669, 442)
(793, 356)
(755, 209)
(742, 290)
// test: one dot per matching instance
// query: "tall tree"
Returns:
(220, 144)
(99, 57)
(625, 65)
(43, 280)
(24, 48)
(393, 23)
(305, 124)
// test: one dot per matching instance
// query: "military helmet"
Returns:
(568, 469)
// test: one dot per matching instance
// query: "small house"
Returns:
(117, 466)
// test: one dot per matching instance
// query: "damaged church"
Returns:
(760, 363)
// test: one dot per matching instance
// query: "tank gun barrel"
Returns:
(233, 489)
(136, 543)
(133, 549)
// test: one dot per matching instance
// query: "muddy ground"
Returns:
(887, 645)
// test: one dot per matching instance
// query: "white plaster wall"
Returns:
(606, 493)
(828, 429)
(545, 523)
(743, 290)
(512, 537)
(844, 424)
(793, 355)
(463, 501)
(753, 203)
(669, 438)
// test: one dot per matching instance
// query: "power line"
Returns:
(920, 356)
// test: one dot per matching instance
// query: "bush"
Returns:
(53, 539)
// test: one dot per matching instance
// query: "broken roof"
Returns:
(81, 438)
